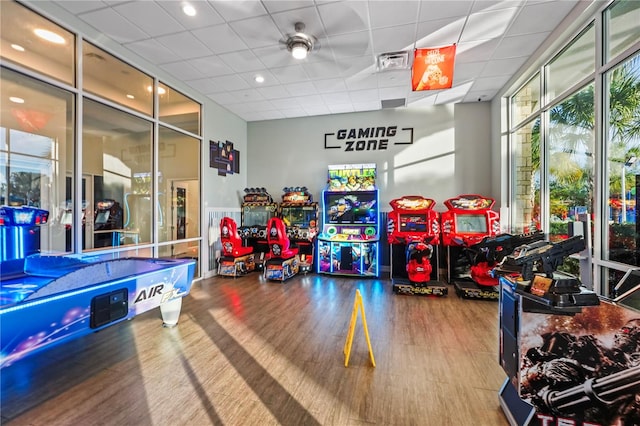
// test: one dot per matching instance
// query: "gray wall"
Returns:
(450, 154)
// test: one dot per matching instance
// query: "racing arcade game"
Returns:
(237, 259)
(468, 220)
(256, 210)
(413, 232)
(282, 261)
(571, 356)
(349, 242)
(299, 213)
(107, 224)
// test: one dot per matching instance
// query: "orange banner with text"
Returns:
(433, 68)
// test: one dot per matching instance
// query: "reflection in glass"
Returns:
(186, 250)
(178, 110)
(570, 156)
(36, 149)
(179, 166)
(526, 100)
(23, 42)
(575, 63)
(623, 167)
(107, 76)
(622, 29)
(117, 159)
(526, 178)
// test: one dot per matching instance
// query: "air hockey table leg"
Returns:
(171, 312)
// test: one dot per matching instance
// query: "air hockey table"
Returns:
(46, 300)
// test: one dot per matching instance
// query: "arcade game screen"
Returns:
(102, 217)
(301, 216)
(413, 223)
(351, 208)
(257, 215)
(471, 223)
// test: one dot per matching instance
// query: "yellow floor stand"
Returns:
(357, 305)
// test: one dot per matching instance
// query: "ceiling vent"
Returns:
(393, 61)
(393, 103)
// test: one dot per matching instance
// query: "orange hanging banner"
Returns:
(433, 68)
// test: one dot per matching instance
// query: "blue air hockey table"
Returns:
(47, 299)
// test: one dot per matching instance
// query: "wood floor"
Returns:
(253, 352)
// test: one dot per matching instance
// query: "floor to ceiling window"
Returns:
(118, 186)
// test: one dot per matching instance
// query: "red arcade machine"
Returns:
(283, 261)
(237, 259)
(467, 222)
(257, 208)
(413, 232)
(300, 213)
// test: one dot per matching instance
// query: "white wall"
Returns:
(450, 154)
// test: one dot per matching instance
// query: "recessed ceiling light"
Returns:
(188, 9)
(259, 79)
(16, 100)
(161, 90)
(49, 36)
(131, 97)
(17, 47)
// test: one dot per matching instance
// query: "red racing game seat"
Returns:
(231, 241)
(279, 243)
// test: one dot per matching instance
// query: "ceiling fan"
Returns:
(299, 43)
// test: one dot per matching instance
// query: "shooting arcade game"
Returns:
(413, 232)
(237, 259)
(468, 220)
(570, 355)
(299, 213)
(349, 242)
(256, 209)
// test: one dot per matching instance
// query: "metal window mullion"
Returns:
(77, 227)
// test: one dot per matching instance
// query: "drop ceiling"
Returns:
(221, 50)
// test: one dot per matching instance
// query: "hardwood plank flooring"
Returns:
(253, 352)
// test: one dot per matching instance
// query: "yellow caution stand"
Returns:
(357, 304)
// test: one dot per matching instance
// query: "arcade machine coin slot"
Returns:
(110, 307)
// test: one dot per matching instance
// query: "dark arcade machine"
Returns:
(107, 223)
(468, 220)
(571, 356)
(300, 214)
(237, 259)
(283, 261)
(349, 242)
(414, 235)
(256, 210)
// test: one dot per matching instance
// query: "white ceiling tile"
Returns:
(274, 92)
(438, 33)
(238, 9)
(210, 66)
(290, 74)
(206, 86)
(306, 101)
(293, 112)
(287, 103)
(483, 96)
(274, 6)
(152, 51)
(257, 32)
(330, 85)
(503, 66)
(274, 56)
(241, 61)
(114, 25)
(488, 25)
(490, 83)
(493, 5)
(308, 16)
(510, 47)
(272, 115)
(220, 38)
(301, 89)
(149, 17)
(182, 71)
(262, 106)
(206, 15)
(340, 108)
(394, 78)
(184, 45)
(393, 39)
(363, 96)
(475, 51)
(81, 6)
(316, 109)
(395, 92)
(367, 106)
(467, 71)
(269, 78)
(363, 81)
(224, 98)
(336, 98)
(322, 69)
(230, 82)
(434, 10)
(352, 44)
(389, 13)
(344, 17)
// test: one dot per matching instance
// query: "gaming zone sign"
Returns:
(368, 138)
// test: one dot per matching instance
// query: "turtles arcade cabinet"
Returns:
(413, 233)
(256, 210)
(282, 261)
(468, 220)
(237, 259)
(300, 214)
(349, 242)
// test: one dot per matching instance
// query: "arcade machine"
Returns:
(256, 210)
(54, 299)
(237, 259)
(107, 223)
(66, 220)
(468, 220)
(349, 242)
(282, 261)
(571, 356)
(300, 214)
(413, 232)
(19, 234)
